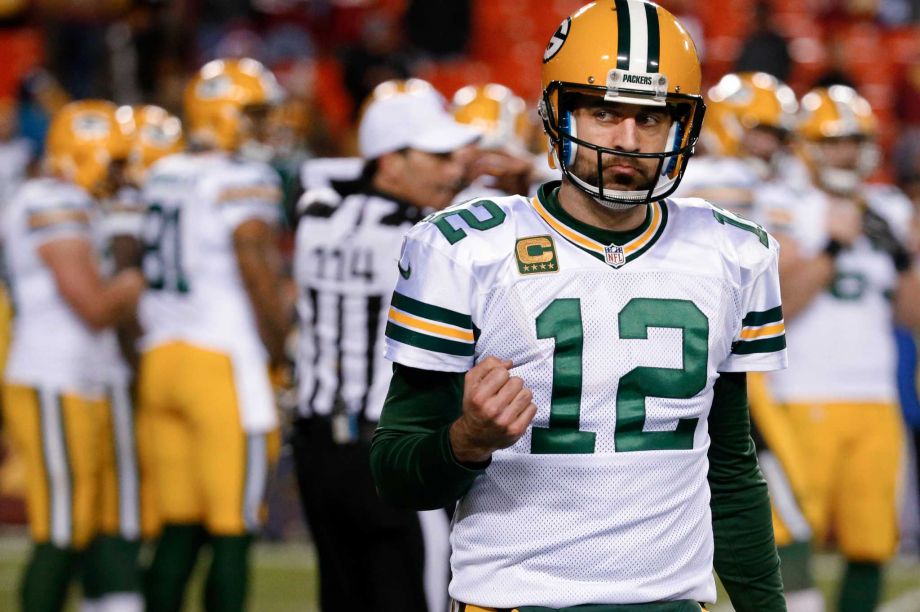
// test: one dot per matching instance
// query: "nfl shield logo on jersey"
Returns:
(614, 255)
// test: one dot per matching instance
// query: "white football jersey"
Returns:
(727, 181)
(841, 347)
(621, 337)
(196, 294)
(51, 345)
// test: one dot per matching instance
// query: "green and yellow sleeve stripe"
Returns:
(431, 328)
(761, 332)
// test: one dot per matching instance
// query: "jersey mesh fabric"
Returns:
(641, 517)
(616, 525)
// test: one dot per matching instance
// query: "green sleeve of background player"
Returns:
(745, 552)
(411, 458)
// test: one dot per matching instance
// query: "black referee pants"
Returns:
(371, 555)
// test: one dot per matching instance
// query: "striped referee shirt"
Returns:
(345, 266)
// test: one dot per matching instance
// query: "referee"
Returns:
(371, 556)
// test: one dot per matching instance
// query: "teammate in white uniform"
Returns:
(503, 165)
(54, 391)
(747, 166)
(846, 276)
(213, 321)
(599, 442)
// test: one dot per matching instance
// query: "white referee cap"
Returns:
(410, 115)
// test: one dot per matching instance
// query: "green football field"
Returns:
(285, 574)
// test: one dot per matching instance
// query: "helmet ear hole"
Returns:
(567, 128)
(675, 137)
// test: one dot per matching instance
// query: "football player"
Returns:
(749, 123)
(847, 273)
(213, 322)
(55, 379)
(112, 581)
(502, 166)
(570, 368)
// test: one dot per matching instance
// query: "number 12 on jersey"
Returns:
(561, 320)
(162, 259)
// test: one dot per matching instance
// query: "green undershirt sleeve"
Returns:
(411, 458)
(745, 552)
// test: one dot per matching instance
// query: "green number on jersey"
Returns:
(562, 320)
(848, 286)
(639, 383)
(723, 216)
(454, 235)
(162, 259)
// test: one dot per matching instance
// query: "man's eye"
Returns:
(649, 118)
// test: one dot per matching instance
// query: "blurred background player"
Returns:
(371, 556)
(744, 142)
(502, 165)
(213, 321)
(112, 577)
(54, 381)
(847, 273)
(746, 160)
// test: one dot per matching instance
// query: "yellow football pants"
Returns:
(58, 437)
(207, 468)
(126, 491)
(793, 502)
(852, 452)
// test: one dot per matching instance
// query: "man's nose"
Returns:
(626, 135)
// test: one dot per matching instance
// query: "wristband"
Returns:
(833, 248)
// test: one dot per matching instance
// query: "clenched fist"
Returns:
(497, 410)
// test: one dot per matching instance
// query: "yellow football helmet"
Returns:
(85, 138)
(743, 101)
(158, 133)
(828, 115)
(495, 111)
(628, 51)
(217, 98)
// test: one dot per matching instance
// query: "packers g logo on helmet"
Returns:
(85, 138)
(557, 40)
(91, 125)
(628, 51)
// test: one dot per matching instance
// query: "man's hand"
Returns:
(879, 232)
(497, 410)
(844, 221)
